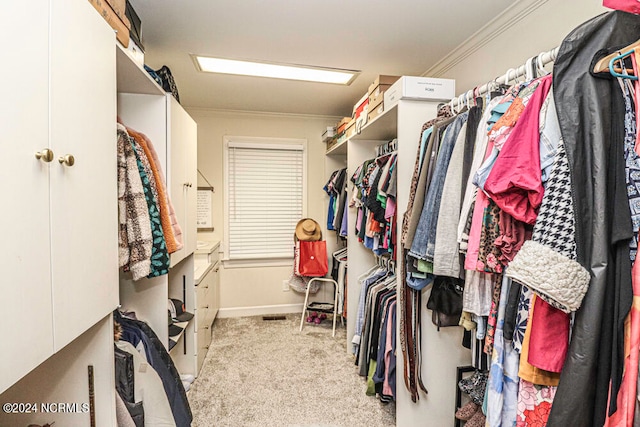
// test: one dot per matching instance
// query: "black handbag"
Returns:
(168, 84)
(446, 301)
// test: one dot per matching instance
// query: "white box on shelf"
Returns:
(328, 135)
(135, 53)
(410, 87)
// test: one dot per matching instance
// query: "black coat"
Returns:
(589, 114)
(161, 361)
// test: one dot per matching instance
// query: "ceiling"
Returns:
(400, 37)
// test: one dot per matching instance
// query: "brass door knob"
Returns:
(45, 155)
(68, 160)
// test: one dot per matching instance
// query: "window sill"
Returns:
(257, 263)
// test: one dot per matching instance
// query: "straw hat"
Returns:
(307, 230)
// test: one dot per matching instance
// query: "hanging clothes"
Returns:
(159, 261)
(148, 390)
(160, 190)
(446, 252)
(135, 239)
(138, 333)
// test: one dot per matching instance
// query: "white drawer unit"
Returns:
(207, 296)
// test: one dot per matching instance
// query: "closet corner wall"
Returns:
(441, 350)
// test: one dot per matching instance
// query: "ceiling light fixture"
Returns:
(277, 71)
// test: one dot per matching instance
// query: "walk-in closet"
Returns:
(239, 214)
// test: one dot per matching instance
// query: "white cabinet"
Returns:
(24, 186)
(207, 301)
(59, 260)
(182, 161)
(84, 208)
(146, 108)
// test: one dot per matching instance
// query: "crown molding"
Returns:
(494, 28)
(217, 111)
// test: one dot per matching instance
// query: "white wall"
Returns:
(262, 286)
(527, 29)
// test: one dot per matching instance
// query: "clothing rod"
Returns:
(542, 59)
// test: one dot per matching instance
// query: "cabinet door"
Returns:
(83, 196)
(182, 169)
(25, 287)
(191, 171)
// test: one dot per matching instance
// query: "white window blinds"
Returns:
(265, 199)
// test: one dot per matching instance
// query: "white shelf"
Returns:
(338, 149)
(132, 78)
(383, 127)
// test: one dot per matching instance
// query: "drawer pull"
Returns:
(206, 327)
(206, 347)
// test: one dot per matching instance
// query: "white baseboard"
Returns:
(259, 310)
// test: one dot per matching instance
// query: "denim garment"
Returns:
(366, 283)
(331, 212)
(418, 283)
(424, 240)
(368, 242)
(416, 200)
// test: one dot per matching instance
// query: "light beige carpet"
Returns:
(267, 373)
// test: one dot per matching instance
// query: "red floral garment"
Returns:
(534, 404)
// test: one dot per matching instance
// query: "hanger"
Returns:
(458, 106)
(603, 64)
(626, 73)
(339, 253)
(506, 76)
(476, 95)
(529, 70)
(540, 66)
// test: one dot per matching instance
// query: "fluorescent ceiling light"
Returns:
(277, 71)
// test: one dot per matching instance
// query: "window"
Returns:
(264, 194)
